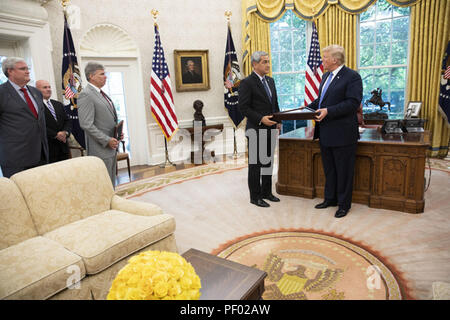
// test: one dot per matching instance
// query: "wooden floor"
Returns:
(144, 171)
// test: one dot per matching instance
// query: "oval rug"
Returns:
(313, 265)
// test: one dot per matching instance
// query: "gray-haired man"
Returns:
(23, 137)
(98, 117)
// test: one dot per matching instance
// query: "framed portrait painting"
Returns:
(191, 70)
(413, 109)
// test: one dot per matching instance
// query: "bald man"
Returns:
(57, 122)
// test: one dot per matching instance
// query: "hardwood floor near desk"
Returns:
(389, 169)
(225, 280)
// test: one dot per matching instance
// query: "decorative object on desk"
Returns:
(156, 275)
(377, 100)
(413, 125)
(191, 70)
(295, 114)
(413, 109)
(198, 115)
(392, 126)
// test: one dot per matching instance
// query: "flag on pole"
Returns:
(161, 98)
(314, 69)
(71, 83)
(231, 78)
(444, 95)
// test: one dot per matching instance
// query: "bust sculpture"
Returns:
(198, 115)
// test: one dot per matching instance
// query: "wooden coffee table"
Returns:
(225, 280)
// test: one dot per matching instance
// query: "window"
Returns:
(114, 89)
(3, 78)
(383, 55)
(288, 51)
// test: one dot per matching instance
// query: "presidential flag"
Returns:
(231, 78)
(314, 69)
(161, 99)
(71, 83)
(444, 95)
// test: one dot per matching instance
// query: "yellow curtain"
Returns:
(430, 32)
(336, 26)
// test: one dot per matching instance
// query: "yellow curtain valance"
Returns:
(272, 10)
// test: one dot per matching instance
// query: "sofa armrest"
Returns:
(135, 207)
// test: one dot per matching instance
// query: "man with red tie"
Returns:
(23, 138)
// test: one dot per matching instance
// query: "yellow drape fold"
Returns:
(430, 29)
(339, 27)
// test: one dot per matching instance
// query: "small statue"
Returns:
(198, 115)
(377, 100)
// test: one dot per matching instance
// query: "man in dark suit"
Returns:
(23, 138)
(190, 76)
(258, 101)
(340, 94)
(58, 124)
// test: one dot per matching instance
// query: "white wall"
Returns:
(183, 25)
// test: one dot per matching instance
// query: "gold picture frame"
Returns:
(191, 70)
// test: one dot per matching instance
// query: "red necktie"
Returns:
(29, 102)
(107, 99)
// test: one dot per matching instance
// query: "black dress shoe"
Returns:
(326, 204)
(272, 198)
(260, 203)
(341, 213)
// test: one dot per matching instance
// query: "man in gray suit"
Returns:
(98, 118)
(23, 137)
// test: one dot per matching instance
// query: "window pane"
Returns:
(299, 60)
(399, 52)
(275, 62)
(397, 103)
(398, 78)
(369, 14)
(383, 55)
(400, 28)
(284, 22)
(367, 32)
(300, 85)
(299, 40)
(274, 41)
(366, 56)
(399, 11)
(286, 61)
(285, 41)
(286, 102)
(384, 10)
(382, 79)
(383, 31)
(285, 84)
(298, 23)
(368, 83)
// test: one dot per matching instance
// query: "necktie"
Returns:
(29, 102)
(266, 86)
(109, 102)
(52, 110)
(325, 88)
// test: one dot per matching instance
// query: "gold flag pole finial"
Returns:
(228, 14)
(155, 14)
(65, 3)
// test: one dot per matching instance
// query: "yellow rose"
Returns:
(161, 289)
(185, 282)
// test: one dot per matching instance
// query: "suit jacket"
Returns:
(191, 77)
(21, 135)
(254, 102)
(62, 123)
(342, 100)
(98, 122)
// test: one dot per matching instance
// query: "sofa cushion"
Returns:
(65, 191)
(16, 224)
(37, 268)
(105, 238)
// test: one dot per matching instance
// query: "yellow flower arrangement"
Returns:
(156, 275)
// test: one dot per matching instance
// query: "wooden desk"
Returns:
(195, 155)
(225, 280)
(389, 168)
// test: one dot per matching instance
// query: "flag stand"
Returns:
(167, 161)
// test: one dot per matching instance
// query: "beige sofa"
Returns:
(65, 234)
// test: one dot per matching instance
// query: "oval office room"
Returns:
(314, 164)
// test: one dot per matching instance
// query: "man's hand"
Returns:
(113, 143)
(61, 136)
(266, 121)
(320, 114)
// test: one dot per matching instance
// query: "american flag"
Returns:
(161, 98)
(314, 69)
